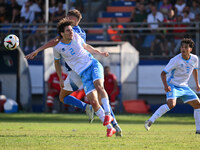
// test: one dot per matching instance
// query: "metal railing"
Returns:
(140, 35)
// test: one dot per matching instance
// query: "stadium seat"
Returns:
(116, 14)
(99, 31)
(136, 106)
(120, 8)
(95, 37)
(123, 3)
(108, 20)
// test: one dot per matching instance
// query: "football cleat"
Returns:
(107, 120)
(198, 132)
(90, 112)
(118, 131)
(148, 124)
(110, 132)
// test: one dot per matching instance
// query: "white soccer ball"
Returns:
(11, 42)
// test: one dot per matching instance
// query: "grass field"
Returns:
(72, 131)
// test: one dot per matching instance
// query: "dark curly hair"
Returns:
(62, 24)
(188, 41)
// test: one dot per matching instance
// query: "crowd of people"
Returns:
(17, 11)
(155, 13)
(162, 13)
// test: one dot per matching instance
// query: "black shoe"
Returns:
(197, 132)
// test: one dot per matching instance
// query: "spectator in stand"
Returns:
(13, 11)
(188, 14)
(139, 15)
(169, 42)
(115, 35)
(37, 35)
(21, 2)
(111, 86)
(27, 13)
(157, 42)
(197, 18)
(59, 13)
(29, 10)
(15, 15)
(186, 18)
(154, 18)
(2, 13)
(53, 89)
(195, 7)
(179, 33)
(158, 46)
(179, 6)
(53, 7)
(165, 7)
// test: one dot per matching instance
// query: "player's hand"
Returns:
(167, 88)
(31, 55)
(198, 88)
(61, 84)
(106, 54)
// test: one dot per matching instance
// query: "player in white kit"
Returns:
(73, 49)
(176, 86)
(73, 80)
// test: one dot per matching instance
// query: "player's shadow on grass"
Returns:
(44, 119)
(74, 118)
(158, 122)
(13, 136)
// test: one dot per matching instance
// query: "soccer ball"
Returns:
(11, 42)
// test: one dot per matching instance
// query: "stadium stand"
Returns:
(121, 10)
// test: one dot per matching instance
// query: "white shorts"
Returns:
(72, 82)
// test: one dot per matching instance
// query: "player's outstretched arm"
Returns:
(59, 72)
(195, 75)
(164, 80)
(50, 43)
(92, 50)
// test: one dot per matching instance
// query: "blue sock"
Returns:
(114, 122)
(70, 100)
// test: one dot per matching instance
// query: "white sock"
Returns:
(159, 112)
(101, 114)
(197, 118)
(106, 105)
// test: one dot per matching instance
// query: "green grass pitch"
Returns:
(72, 131)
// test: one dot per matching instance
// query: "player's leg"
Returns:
(92, 96)
(196, 105)
(171, 103)
(115, 124)
(70, 100)
(104, 98)
(98, 80)
(191, 98)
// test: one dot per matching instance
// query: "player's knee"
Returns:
(61, 99)
(171, 105)
(197, 106)
(99, 88)
(94, 103)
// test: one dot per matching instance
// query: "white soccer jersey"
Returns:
(180, 69)
(74, 54)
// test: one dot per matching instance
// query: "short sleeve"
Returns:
(79, 38)
(56, 54)
(196, 66)
(170, 66)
